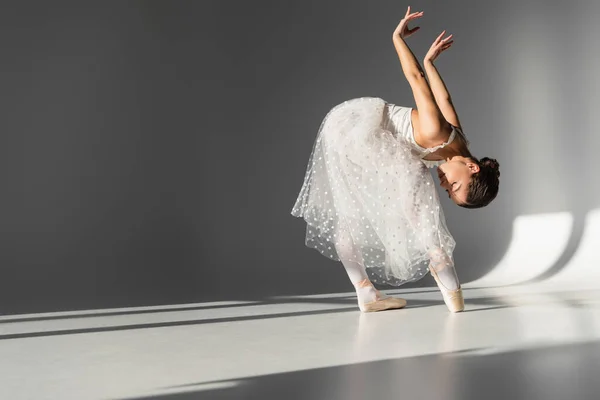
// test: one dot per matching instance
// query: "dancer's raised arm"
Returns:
(433, 127)
(440, 92)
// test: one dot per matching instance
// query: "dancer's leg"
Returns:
(352, 260)
(444, 268)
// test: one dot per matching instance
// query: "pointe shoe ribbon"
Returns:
(382, 303)
(453, 298)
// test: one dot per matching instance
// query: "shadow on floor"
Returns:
(567, 298)
(557, 372)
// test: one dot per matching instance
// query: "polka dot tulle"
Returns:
(366, 183)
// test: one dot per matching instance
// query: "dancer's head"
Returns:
(469, 182)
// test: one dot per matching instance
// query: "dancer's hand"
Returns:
(402, 28)
(438, 46)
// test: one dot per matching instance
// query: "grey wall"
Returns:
(152, 151)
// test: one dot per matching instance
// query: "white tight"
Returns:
(352, 262)
(444, 268)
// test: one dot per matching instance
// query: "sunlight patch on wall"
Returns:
(537, 243)
(584, 266)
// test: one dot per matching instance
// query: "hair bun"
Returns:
(491, 163)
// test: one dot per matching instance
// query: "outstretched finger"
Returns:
(439, 38)
(414, 16)
(407, 12)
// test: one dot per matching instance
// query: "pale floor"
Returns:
(530, 342)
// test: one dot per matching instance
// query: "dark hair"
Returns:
(484, 184)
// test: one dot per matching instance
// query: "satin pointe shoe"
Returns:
(453, 298)
(382, 302)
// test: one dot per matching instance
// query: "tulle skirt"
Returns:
(367, 190)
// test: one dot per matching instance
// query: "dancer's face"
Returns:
(455, 176)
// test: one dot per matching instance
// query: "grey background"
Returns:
(152, 151)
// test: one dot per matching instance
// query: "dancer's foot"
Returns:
(453, 298)
(371, 299)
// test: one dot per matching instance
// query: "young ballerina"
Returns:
(368, 197)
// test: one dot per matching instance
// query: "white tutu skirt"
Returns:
(367, 189)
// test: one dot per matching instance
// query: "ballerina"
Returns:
(368, 197)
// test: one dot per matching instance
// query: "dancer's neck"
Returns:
(458, 147)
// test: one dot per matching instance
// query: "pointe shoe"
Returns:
(382, 302)
(453, 298)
